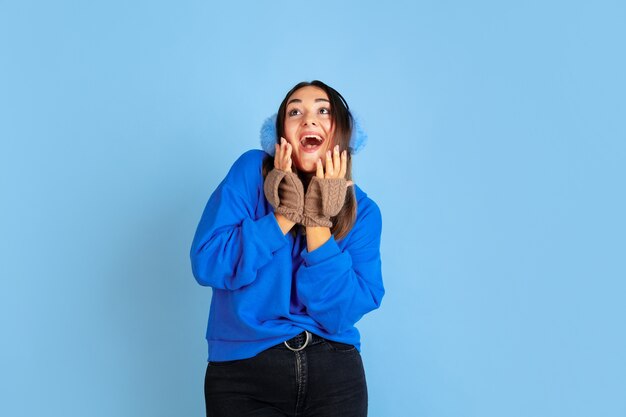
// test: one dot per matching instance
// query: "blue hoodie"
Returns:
(267, 287)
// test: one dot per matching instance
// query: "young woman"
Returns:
(291, 248)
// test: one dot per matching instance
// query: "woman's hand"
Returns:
(327, 191)
(336, 165)
(282, 159)
(283, 189)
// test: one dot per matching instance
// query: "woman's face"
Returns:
(308, 127)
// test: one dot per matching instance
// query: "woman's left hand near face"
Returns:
(326, 193)
(336, 165)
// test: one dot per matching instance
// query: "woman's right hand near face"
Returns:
(283, 189)
(282, 160)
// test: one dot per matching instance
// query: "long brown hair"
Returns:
(342, 121)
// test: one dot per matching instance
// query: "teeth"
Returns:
(319, 139)
(311, 142)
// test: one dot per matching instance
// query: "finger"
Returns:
(283, 143)
(276, 156)
(289, 153)
(320, 168)
(283, 153)
(344, 164)
(289, 162)
(329, 165)
(336, 160)
(286, 158)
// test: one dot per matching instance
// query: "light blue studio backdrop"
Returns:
(496, 154)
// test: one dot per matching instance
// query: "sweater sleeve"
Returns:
(339, 287)
(230, 244)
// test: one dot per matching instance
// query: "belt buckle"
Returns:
(306, 342)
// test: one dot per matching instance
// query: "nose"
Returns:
(309, 119)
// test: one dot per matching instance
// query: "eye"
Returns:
(293, 112)
(325, 110)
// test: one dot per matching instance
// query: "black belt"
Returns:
(304, 339)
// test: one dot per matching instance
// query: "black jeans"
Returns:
(324, 379)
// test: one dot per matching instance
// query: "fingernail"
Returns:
(336, 148)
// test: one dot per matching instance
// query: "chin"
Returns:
(308, 169)
(308, 162)
(307, 166)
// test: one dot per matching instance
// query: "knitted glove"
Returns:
(324, 199)
(285, 193)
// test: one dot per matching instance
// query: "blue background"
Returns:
(496, 153)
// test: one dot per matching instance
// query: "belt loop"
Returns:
(306, 342)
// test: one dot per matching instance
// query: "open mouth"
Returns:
(311, 143)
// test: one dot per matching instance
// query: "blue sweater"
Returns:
(267, 287)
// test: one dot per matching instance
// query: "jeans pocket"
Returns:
(340, 347)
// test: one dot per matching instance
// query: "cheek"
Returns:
(331, 135)
(289, 130)
(328, 125)
(290, 135)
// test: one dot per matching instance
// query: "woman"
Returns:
(291, 248)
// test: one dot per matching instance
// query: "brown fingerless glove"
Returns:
(285, 193)
(324, 199)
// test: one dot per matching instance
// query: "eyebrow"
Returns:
(297, 100)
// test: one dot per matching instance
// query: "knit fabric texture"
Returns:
(324, 199)
(284, 191)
